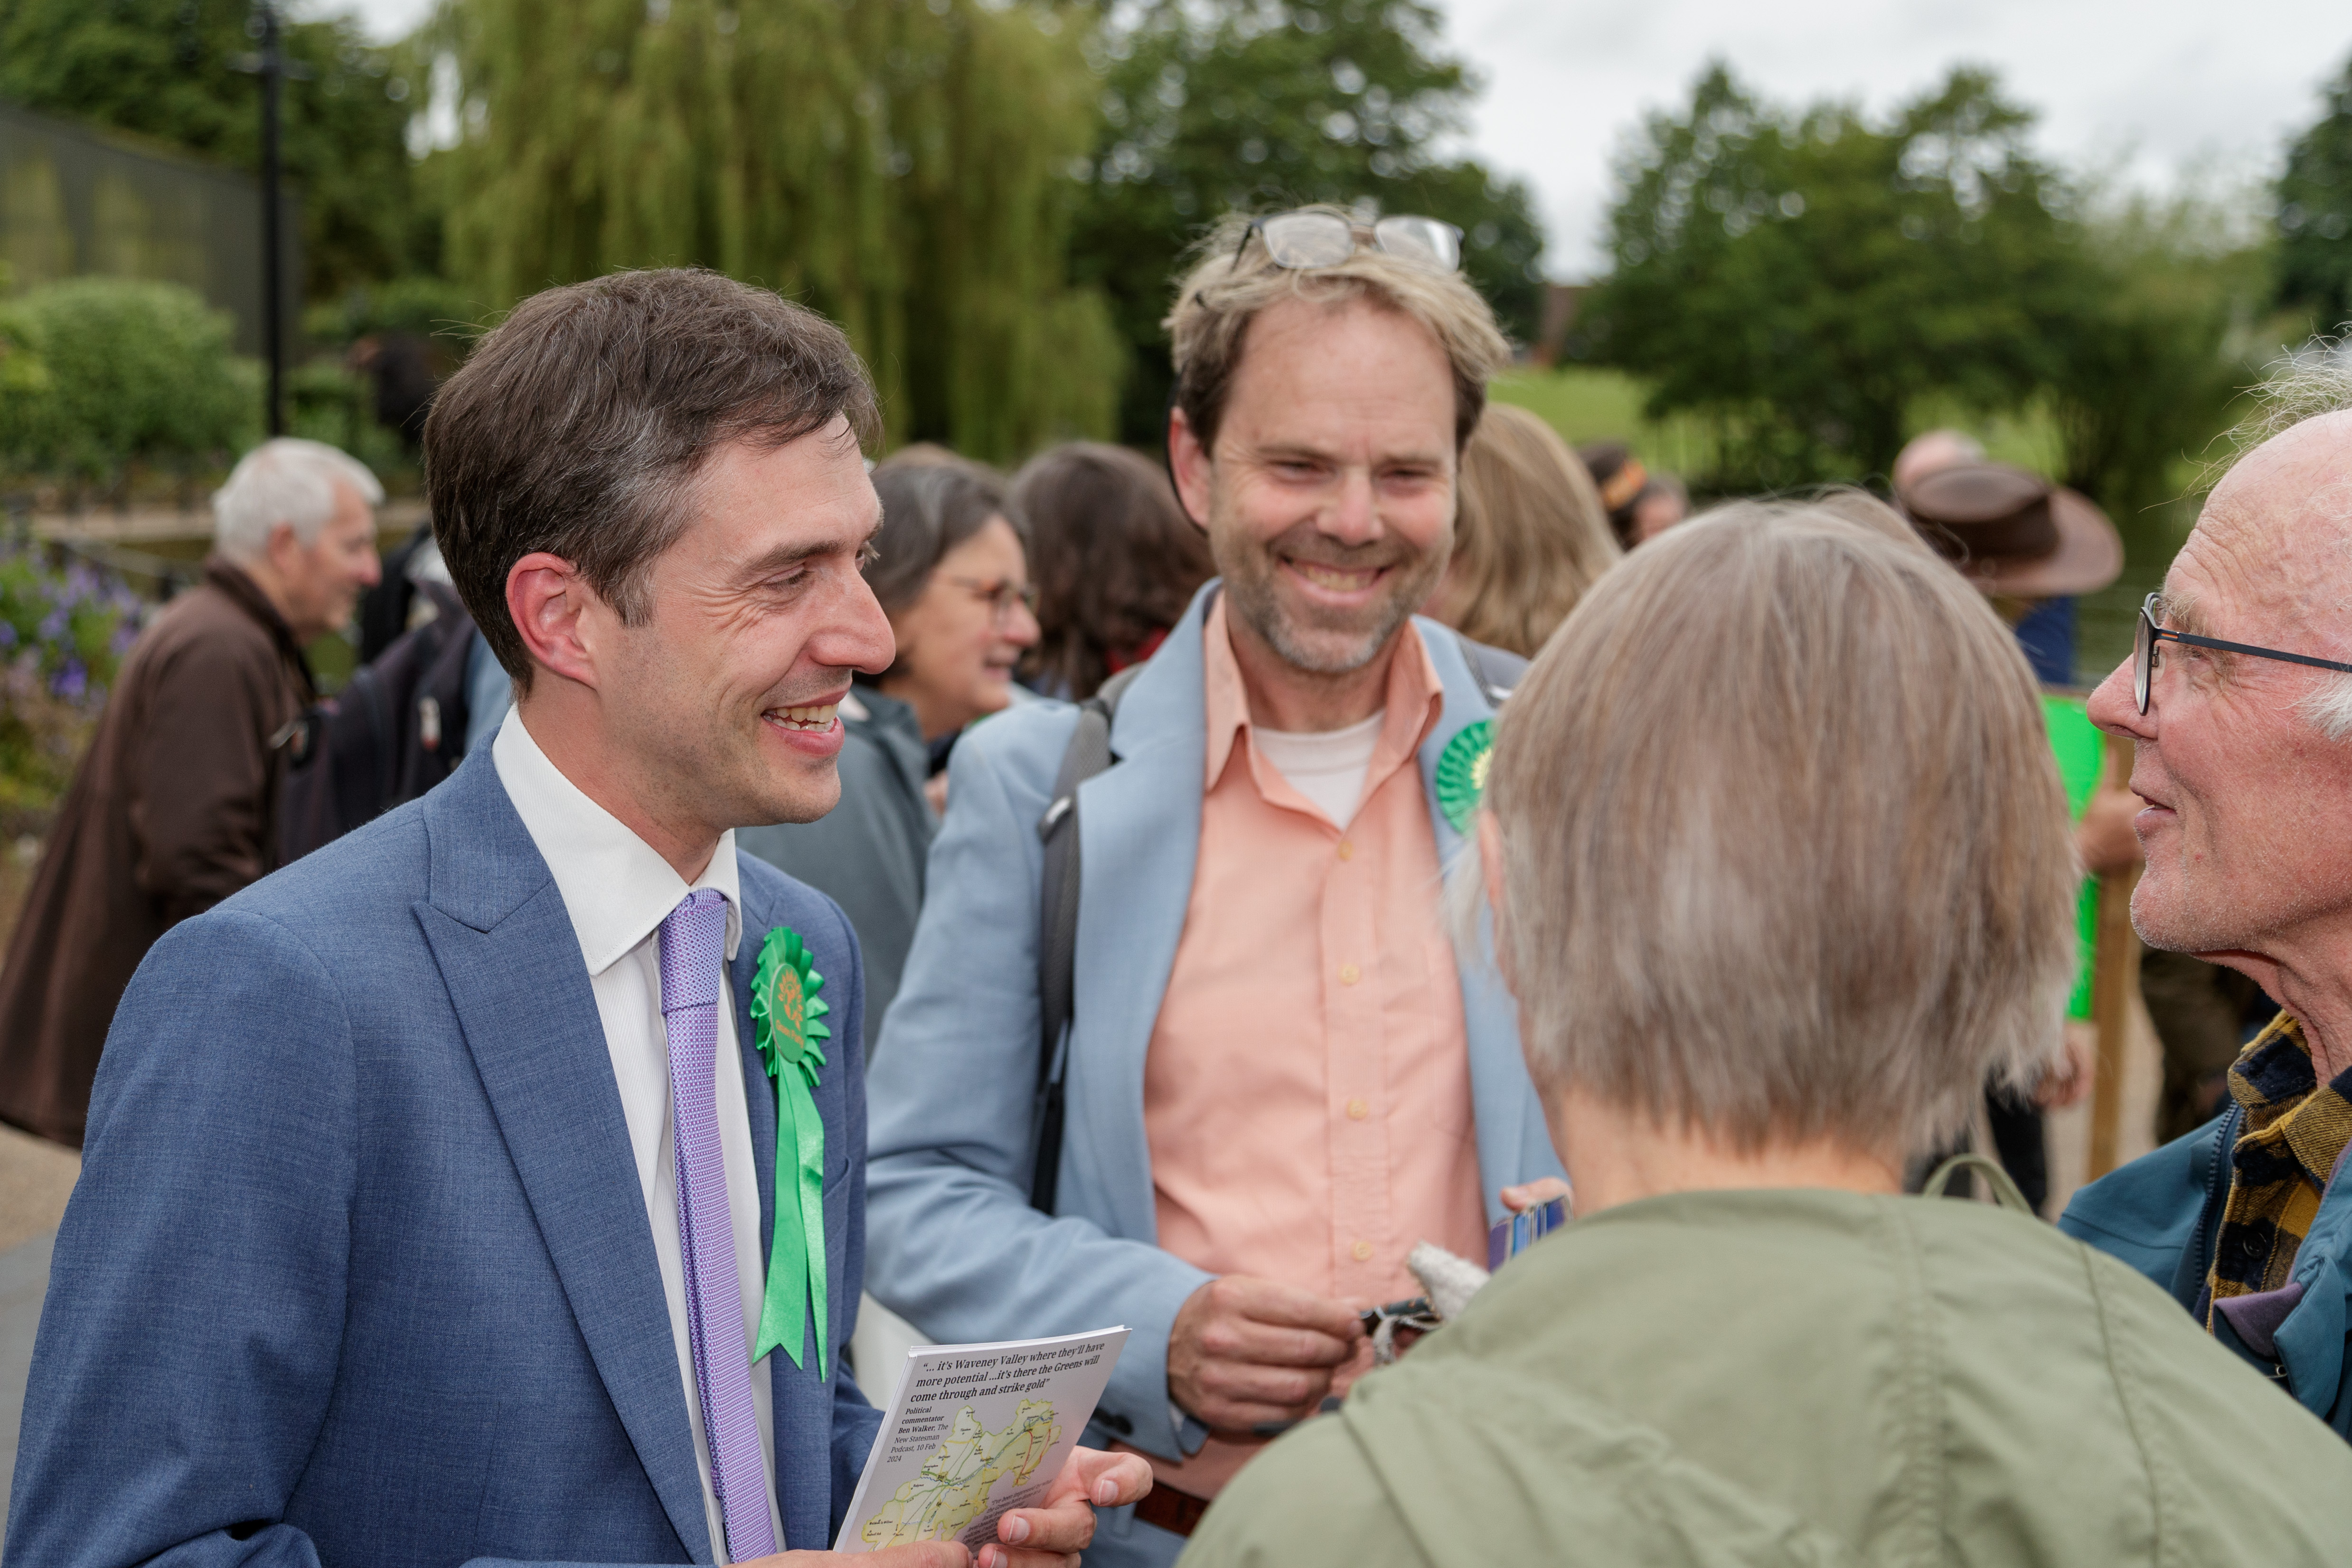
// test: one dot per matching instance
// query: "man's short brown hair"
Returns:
(1233, 278)
(579, 425)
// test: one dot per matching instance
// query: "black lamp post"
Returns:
(273, 287)
(272, 67)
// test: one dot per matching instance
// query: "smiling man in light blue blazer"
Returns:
(428, 1210)
(1277, 1076)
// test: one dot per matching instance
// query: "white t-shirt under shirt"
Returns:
(1329, 769)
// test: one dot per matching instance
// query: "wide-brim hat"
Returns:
(2013, 532)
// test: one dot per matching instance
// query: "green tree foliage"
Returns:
(2314, 218)
(900, 165)
(1210, 106)
(2144, 374)
(166, 68)
(1801, 277)
(131, 372)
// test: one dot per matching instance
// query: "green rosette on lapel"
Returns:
(1462, 772)
(787, 1021)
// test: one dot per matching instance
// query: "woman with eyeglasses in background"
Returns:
(951, 570)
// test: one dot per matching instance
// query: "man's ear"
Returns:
(1189, 462)
(283, 549)
(557, 614)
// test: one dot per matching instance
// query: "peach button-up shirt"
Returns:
(1306, 1093)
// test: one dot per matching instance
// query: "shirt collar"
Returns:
(2286, 1107)
(1416, 701)
(615, 886)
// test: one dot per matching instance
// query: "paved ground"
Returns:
(23, 1276)
(35, 1178)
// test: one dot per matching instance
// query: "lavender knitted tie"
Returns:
(693, 939)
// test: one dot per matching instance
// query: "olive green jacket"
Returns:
(1802, 1377)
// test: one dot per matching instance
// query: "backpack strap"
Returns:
(2004, 1190)
(1497, 671)
(1057, 927)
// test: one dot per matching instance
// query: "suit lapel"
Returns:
(510, 960)
(1139, 841)
(800, 1403)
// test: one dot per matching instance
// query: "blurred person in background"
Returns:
(175, 806)
(2238, 702)
(1116, 562)
(1769, 928)
(951, 575)
(2027, 546)
(1529, 534)
(1641, 504)
(1665, 500)
(1972, 504)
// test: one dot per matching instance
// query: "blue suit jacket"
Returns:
(957, 1249)
(358, 1270)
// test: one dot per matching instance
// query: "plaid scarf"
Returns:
(2295, 1131)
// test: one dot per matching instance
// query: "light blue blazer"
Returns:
(357, 1272)
(953, 1243)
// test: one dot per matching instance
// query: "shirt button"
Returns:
(1358, 1110)
(1349, 974)
(1346, 849)
(1363, 1250)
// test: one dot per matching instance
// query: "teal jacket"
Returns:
(1799, 1379)
(2161, 1213)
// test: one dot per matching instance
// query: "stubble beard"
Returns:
(1249, 568)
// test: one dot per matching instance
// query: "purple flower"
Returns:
(71, 682)
(7, 634)
(53, 625)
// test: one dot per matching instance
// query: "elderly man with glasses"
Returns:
(2239, 699)
(1182, 1043)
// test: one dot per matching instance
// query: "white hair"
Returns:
(2312, 383)
(287, 480)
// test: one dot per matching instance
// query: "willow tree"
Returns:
(901, 165)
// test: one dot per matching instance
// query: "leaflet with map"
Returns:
(973, 1430)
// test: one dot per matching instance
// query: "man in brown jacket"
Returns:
(174, 808)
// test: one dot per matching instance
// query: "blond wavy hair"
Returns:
(1232, 279)
(1529, 533)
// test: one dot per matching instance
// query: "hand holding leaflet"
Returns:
(972, 1432)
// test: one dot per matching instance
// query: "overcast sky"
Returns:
(2151, 88)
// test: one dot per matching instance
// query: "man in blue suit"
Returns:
(1278, 1078)
(429, 1211)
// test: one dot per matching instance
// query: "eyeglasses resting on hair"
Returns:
(2148, 634)
(1316, 236)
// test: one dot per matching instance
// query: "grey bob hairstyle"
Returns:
(1786, 854)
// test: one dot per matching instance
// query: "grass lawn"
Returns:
(1585, 404)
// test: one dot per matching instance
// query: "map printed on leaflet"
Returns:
(974, 1430)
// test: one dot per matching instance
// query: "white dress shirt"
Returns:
(618, 891)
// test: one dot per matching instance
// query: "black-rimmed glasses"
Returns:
(2148, 634)
(1312, 238)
